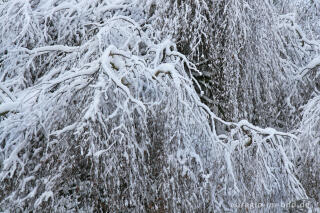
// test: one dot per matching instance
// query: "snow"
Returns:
(8, 107)
(44, 197)
(7, 92)
(85, 112)
(311, 65)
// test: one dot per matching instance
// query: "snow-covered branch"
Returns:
(8, 107)
(7, 92)
(313, 64)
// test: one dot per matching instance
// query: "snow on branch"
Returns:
(7, 92)
(8, 107)
(42, 50)
(294, 26)
(315, 63)
(288, 21)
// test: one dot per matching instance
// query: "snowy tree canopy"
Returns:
(236, 46)
(153, 106)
